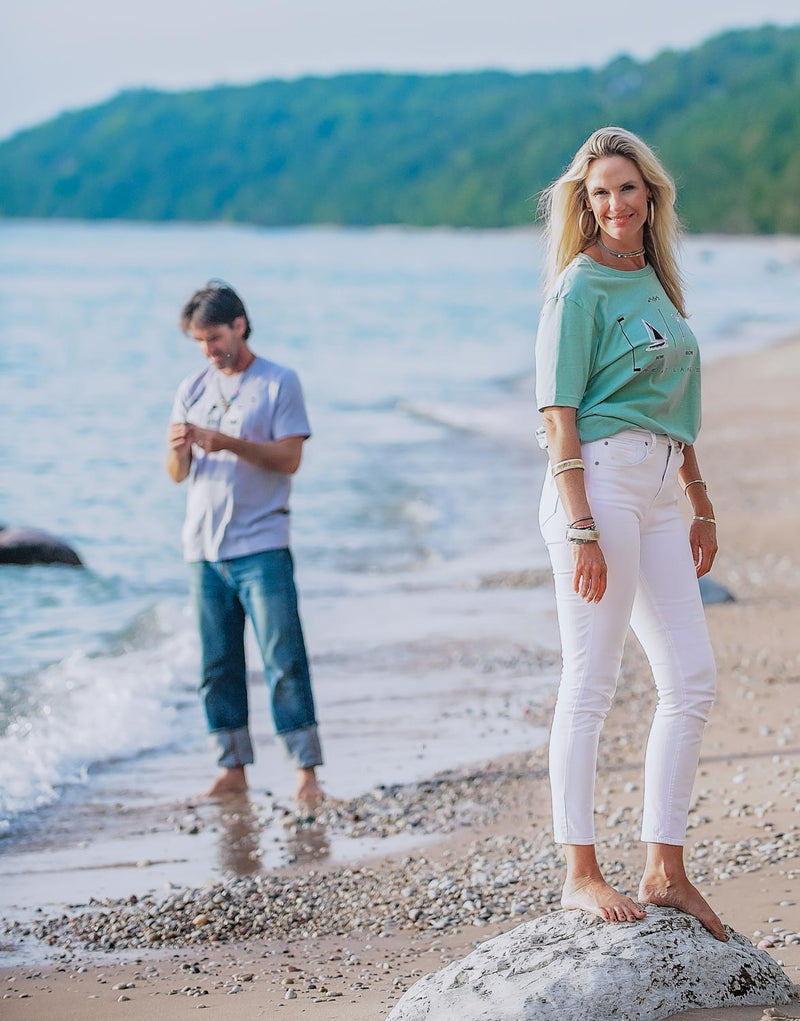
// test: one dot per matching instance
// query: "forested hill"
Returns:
(467, 149)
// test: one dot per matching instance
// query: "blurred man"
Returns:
(236, 433)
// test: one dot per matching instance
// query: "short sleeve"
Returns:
(564, 350)
(290, 418)
(179, 405)
(188, 394)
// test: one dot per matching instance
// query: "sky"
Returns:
(65, 54)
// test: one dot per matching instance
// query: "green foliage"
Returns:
(459, 149)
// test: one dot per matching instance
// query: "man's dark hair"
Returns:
(216, 304)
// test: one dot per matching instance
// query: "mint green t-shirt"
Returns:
(611, 344)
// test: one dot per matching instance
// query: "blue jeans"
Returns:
(259, 586)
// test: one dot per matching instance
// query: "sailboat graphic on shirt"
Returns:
(657, 339)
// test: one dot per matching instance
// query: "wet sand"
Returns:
(396, 883)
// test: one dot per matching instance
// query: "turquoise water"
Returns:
(415, 351)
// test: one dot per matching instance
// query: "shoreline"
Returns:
(357, 947)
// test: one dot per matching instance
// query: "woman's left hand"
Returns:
(703, 540)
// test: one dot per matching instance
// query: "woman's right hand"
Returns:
(563, 443)
(591, 574)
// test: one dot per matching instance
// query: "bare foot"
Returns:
(598, 898)
(681, 894)
(230, 781)
(309, 793)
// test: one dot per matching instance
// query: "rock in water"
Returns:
(30, 546)
(571, 966)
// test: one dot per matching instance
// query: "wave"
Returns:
(511, 418)
(93, 709)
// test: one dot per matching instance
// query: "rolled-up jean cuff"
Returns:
(302, 746)
(235, 747)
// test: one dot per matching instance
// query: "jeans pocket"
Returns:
(617, 452)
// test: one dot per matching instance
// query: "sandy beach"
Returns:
(396, 883)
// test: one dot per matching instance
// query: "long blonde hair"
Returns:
(562, 203)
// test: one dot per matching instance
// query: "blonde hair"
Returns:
(562, 203)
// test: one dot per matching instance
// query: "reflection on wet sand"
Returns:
(239, 843)
(241, 830)
(308, 841)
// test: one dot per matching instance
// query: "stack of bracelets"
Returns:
(584, 529)
(698, 482)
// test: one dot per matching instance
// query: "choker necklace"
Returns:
(620, 255)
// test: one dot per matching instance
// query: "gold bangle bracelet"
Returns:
(568, 465)
(694, 482)
(699, 517)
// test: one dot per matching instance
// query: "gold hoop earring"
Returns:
(651, 212)
(593, 232)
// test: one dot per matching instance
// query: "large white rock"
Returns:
(571, 966)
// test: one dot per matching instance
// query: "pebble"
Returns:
(494, 880)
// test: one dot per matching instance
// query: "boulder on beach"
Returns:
(572, 966)
(30, 546)
(712, 592)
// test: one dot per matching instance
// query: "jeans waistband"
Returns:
(651, 438)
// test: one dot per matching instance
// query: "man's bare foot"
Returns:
(656, 888)
(309, 794)
(598, 898)
(230, 781)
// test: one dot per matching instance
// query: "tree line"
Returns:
(466, 150)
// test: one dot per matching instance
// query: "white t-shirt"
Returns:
(233, 508)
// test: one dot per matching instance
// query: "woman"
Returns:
(618, 386)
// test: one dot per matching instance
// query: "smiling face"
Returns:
(617, 196)
(224, 344)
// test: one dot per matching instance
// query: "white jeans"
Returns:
(632, 485)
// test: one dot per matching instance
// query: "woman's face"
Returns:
(617, 196)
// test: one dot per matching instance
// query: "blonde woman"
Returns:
(618, 385)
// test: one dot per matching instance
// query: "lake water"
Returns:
(413, 511)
